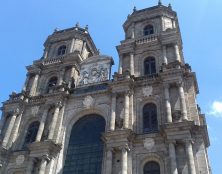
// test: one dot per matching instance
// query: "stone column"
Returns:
(173, 160)
(131, 110)
(15, 129)
(113, 112)
(126, 111)
(182, 102)
(9, 128)
(83, 47)
(61, 76)
(43, 164)
(131, 63)
(120, 64)
(174, 23)
(54, 120)
(190, 158)
(177, 52)
(42, 125)
(59, 124)
(164, 55)
(26, 82)
(30, 166)
(109, 159)
(72, 45)
(133, 31)
(167, 103)
(34, 85)
(124, 161)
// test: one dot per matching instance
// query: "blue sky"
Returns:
(25, 24)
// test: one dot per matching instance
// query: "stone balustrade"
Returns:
(53, 61)
(146, 39)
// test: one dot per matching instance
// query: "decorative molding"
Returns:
(147, 91)
(88, 101)
(148, 143)
(35, 110)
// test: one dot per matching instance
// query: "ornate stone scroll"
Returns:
(147, 91)
(148, 143)
(88, 101)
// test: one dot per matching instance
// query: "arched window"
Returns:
(61, 50)
(31, 133)
(148, 30)
(151, 168)
(51, 84)
(150, 123)
(149, 66)
(85, 150)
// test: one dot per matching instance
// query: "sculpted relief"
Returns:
(94, 75)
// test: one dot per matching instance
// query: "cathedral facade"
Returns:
(73, 117)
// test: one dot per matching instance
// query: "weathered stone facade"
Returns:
(72, 80)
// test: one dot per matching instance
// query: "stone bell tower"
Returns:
(154, 31)
(151, 57)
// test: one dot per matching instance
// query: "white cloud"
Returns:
(216, 109)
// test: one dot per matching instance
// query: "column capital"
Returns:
(189, 140)
(166, 85)
(16, 112)
(46, 158)
(59, 104)
(125, 147)
(37, 72)
(127, 93)
(180, 84)
(171, 142)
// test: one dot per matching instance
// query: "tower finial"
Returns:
(159, 2)
(87, 27)
(56, 29)
(77, 24)
(134, 8)
(170, 6)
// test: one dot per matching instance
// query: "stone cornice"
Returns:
(118, 138)
(39, 149)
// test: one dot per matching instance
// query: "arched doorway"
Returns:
(151, 167)
(85, 149)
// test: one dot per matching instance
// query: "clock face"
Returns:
(20, 159)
